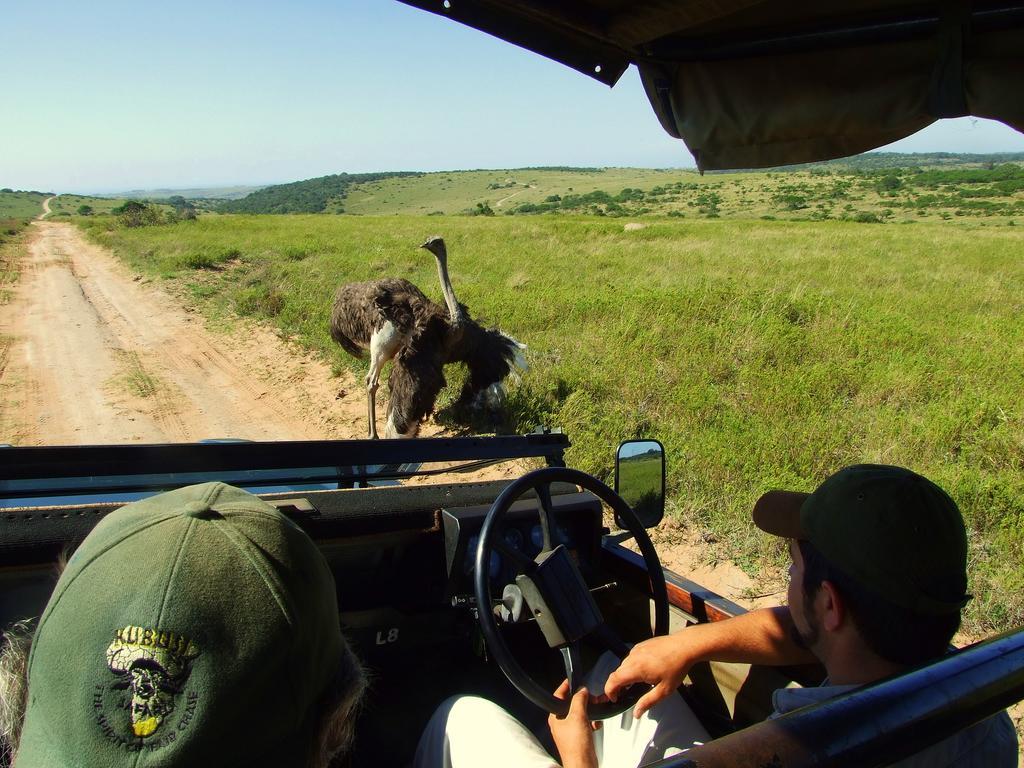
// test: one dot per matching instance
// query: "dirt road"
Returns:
(93, 354)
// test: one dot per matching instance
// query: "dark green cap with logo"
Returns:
(892, 530)
(197, 627)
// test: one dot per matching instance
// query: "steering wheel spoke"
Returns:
(547, 515)
(573, 666)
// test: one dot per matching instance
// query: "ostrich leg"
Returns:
(384, 345)
(377, 361)
(371, 398)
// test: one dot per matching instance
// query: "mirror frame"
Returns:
(618, 461)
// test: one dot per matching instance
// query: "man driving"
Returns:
(877, 583)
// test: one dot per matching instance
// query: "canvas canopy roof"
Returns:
(750, 84)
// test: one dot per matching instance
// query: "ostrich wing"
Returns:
(402, 303)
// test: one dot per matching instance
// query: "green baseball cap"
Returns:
(890, 529)
(197, 627)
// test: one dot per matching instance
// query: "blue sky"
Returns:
(116, 95)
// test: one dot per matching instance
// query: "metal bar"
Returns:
(116, 460)
(881, 723)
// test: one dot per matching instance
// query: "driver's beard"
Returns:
(806, 640)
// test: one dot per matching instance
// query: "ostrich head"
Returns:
(435, 244)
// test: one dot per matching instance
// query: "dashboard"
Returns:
(578, 525)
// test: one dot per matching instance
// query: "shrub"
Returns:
(889, 183)
(260, 300)
(707, 203)
(85, 210)
(199, 260)
(181, 214)
(790, 202)
(135, 214)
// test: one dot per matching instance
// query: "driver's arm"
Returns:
(763, 636)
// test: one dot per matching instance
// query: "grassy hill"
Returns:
(501, 191)
(69, 205)
(870, 188)
(28, 205)
(763, 354)
(326, 193)
(897, 194)
(17, 209)
(15, 204)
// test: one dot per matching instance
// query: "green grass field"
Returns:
(21, 205)
(763, 354)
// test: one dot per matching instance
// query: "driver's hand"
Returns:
(573, 734)
(661, 662)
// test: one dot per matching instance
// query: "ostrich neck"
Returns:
(449, 294)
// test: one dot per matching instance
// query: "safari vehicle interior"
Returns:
(504, 589)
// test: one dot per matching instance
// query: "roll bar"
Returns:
(880, 723)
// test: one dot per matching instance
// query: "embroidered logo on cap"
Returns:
(152, 666)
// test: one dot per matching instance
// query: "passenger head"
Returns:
(198, 627)
(893, 546)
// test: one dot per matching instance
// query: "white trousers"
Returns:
(470, 732)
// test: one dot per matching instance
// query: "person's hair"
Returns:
(895, 634)
(14, 648)
(339, 708)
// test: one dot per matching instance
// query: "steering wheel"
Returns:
(556, 594)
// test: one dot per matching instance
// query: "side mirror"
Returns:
(640, 479)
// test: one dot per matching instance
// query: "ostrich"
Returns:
(393, 320)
